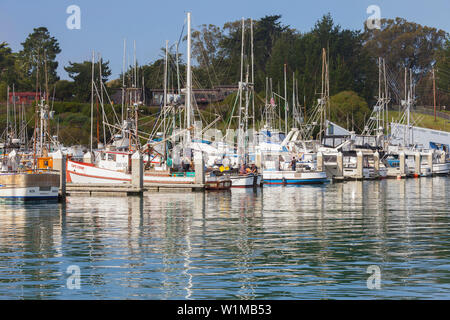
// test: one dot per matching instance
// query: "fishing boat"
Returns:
(243, 178)
(34, 185)
(294, 178)
(218, 183)
(112, 165)
(23, 174)
(244, 181)
(17, 181)
(115, 168)
(277, 172)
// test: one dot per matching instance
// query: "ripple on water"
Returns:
(276, 243)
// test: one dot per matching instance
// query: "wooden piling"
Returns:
(137, 171)
(59, 164)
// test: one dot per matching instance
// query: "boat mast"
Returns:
(46, 108)
(101, 98)
(241, 86)
(410, 102)
(285, 101)
(14, 111)
(92, 98)
(165, 97)
(123, 75)
(188, 79)
(380, 99)
(386, 99)
(7, 116)
(253, 78)
(295, 111)
(434, 95)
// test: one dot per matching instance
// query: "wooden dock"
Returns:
(127, 190)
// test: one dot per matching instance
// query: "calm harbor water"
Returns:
(304, 242)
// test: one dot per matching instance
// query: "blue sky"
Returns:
(104, 24)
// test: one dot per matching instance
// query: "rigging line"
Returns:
(103, 110)
(202, 50)
(110, 102)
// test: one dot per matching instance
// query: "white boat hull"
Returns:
(29, 193)
(293, 178)
(247, 181)
(84, 173)
(441, 168)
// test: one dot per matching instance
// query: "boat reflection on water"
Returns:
(281, 242)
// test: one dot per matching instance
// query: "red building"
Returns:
(23, 97)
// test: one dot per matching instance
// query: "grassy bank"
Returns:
(423, 120)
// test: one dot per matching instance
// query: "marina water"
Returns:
(308, 242)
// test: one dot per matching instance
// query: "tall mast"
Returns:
(241, 87)
(123, 75)
(434, 95)
(380, 101)
(14, 112)
(135, 73)
(242, 72)
(92, 97)
(245, 124)
(178, 69)
(44, 108)
(253, 76)
(323, 94)
(188, 78)
(101, 99)
(409, 105)
(266, 101)
(7, 115)
(165, 95)
(165, 73)
(294, 107)
(285, 101)
(386, 99)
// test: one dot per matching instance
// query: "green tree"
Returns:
(349, 110)
(81, 73)
(350, 65)
(3, 91)
(209, 55)
(443, 74)
(7, 60)
(405, 44)
(64, 90)
(267, 31)
(38, 58)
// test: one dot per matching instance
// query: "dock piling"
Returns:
(340, 165)
(137, 171)
(359, 166)
(320, 166)
(199, 164)
(402, 158)
(430, 160)
(59, 164)
(442, 157)
(376, 160)
(417, 164)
